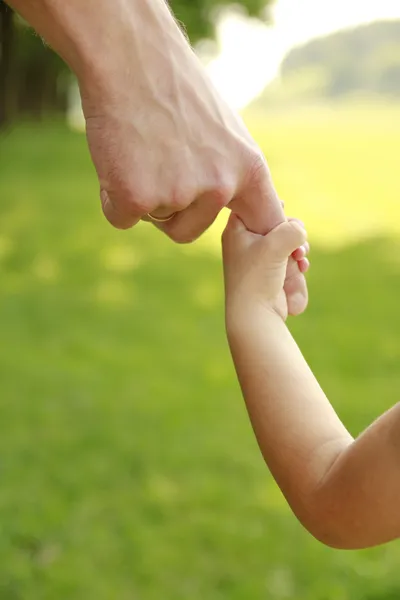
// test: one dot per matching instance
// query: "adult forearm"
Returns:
(94, 36)
(160, 136)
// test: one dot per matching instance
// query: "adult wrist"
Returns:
(96, 38)
(124, 47)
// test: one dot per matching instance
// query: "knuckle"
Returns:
(120, 225)
(181, 197)
(223, 186)
(178, 203)
(180, 236)
(180, 233)
(257, 164)
(136, 201)
(222, 195)
(299, 231)
(259, 176)
(116, 220)
(177, 200)
(129, 196)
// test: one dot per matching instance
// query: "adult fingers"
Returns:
(188, 224)
(257, 204)
(119, 217)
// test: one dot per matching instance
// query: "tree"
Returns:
(362, 59)
(6, 42)
(198, 16)
(30, 73)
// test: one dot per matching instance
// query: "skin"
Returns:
(345, 492)
(161, 138)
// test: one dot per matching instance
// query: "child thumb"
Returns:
(285, 239)
(234, 229)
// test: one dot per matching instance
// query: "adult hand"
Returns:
(164, 142)
(161, 138)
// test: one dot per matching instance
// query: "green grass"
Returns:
(337, 166)
(128, 468)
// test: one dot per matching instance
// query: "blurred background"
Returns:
(128, 466)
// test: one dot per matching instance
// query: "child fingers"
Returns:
(301, 252)
(236, 235)
(233, 229)
(304, 265)
(299, 221)
(285, 239)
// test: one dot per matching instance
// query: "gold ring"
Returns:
(161, 219)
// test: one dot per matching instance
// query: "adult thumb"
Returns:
(285, 239)
(258, 205)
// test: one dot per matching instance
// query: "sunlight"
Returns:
(251, 52)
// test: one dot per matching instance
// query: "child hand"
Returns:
(255, 266)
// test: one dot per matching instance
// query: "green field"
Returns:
(128, 467)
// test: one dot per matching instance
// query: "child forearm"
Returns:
(346, 493)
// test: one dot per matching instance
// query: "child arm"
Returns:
(345, 492)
